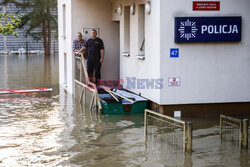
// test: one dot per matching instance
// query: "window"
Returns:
(65, 69)
(141, 30)
(64, 21)
(127, 29)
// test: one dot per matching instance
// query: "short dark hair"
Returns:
(94, 30)
(79, 33)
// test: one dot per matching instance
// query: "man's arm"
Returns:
(102, 52)
(102, 56)
(81, 50)
(84, 47)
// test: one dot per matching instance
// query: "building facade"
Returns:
(194, 52)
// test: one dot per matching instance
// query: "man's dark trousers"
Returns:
(94, 65)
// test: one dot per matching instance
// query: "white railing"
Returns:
(82, 80)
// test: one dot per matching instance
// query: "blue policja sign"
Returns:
(208, 29)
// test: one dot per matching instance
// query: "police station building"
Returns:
(186, 55)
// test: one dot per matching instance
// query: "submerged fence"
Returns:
(85, 91)
(176, 132)
(234, 129)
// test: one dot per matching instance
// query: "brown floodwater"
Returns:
(52, 129)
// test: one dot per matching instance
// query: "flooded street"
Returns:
(51, 129)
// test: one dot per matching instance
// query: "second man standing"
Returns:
(95, 49)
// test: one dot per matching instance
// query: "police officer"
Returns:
(95, 49)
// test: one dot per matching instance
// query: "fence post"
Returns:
(241, 134)
(145, 122)
(74, 89)
(245, 134)
(220, 127)
(185, 136)
(81, 69)
(189, 136)
(75, 65)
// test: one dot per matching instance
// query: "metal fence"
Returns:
(85, 91)
(234, 129)
(176, 133)
(89, 118)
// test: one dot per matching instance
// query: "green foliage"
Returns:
(8, 24)
(41, 15)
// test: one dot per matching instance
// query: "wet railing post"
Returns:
(145, 123)
(189, 136)
(245, 134)
(81, 76)
(241, 133)
(220, 127)
(186, 127)
(241, 125)
(75, 74)
(185, 136)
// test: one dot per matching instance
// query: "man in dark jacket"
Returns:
(95, 48)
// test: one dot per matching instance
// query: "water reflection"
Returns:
(29, 129)
(28, 71)
(163, 146)
(30, 124)
(52, 129)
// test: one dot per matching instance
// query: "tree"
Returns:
(8, 24)
(40, 14)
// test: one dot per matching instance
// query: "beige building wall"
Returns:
(98, 14)
(65, 44)
(132, 66)
(87, 14)
(210, 72)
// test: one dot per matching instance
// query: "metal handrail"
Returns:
(185, 126)
(88, 83)
(242, 125)
(165, 116)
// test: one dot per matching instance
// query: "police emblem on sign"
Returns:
(208, 29)
(187, 29)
